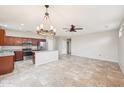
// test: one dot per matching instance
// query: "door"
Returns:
(69, 46)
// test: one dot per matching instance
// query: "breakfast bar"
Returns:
(43, 57)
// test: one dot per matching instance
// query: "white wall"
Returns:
(60, 45)
(50, 44)
(121, 51)
(102, 45)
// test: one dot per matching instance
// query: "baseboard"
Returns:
(99, 59)
(122, 69)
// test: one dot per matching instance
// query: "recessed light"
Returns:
(22, 24)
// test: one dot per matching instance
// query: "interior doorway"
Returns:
(68, 46)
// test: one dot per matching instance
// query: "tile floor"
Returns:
(69, 71)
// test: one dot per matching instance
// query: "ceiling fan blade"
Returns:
(78, 28)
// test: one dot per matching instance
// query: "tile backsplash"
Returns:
(16, 47)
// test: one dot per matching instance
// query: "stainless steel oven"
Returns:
(27, 53)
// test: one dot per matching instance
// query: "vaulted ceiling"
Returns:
(91, 18)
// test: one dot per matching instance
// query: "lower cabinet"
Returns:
(6, 64)
(18, 55)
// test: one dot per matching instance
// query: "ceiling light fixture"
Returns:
(46, 28)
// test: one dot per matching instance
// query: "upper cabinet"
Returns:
(2, 35)
(16, 41)
(34, 41)
(9, 41)
(12, 41)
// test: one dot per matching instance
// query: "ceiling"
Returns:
(91, 18)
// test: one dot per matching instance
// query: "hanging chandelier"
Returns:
(46, 28)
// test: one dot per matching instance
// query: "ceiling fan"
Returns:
(73, 28)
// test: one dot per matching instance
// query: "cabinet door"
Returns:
(24, 40)
(18, 55)
(34, 42)
(9, 41)
(6, 41)
(17, 41)
(42, 40)
(2, 35)
(6, 64)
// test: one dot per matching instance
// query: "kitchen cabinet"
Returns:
(18, 55)
(24, 40)
(43, 57)
(18, 41)
(2, 35)
(34, 41)
(6, 64)
(42, 40)
(9, 41)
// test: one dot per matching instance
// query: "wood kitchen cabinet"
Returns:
(17, 41)
(43, 40)
(12, 41)
(6, 64)
(9, 41)
(2, 35)
(34, 41)
(18, 55)
(24, 40)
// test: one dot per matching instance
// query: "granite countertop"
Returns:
(6, 53)
(44, 51)
(17, 49)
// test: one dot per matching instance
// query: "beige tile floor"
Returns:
(69, 71)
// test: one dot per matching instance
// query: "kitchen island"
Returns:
(43, 57)
(6, 62)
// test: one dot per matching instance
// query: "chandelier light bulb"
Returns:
(51, 27)
(41, 26)
(54, 30)
(38, 28)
